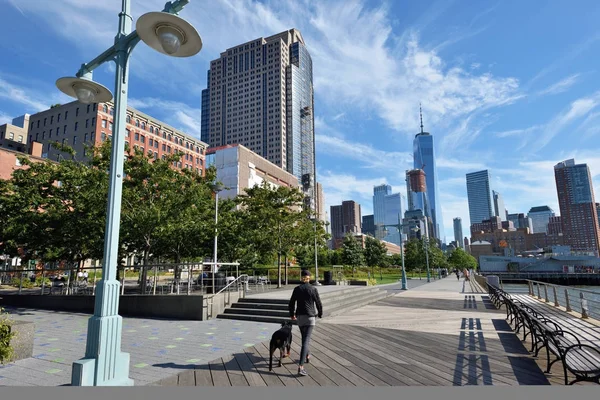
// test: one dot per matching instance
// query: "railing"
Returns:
(243, 288)
(585, 302)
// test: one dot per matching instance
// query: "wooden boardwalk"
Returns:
(435, 335)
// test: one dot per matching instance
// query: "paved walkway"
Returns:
(439, 334)
(158, 348)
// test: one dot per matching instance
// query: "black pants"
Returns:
(306, 331)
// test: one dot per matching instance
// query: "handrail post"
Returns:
(530, 287)
(584, 306)
(556, 303)
(538, 290)
(567, 302)
(546, 293)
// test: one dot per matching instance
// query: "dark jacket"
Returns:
(306, 296)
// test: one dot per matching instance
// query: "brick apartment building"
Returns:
(76, 124)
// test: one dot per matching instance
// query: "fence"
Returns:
(194, 278)
(585, 302)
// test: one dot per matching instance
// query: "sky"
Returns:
(505, 85)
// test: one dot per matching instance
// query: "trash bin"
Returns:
(327, 277)
(493, 280)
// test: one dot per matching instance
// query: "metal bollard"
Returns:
(567, 302)
(584, 306)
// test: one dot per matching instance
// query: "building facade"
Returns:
(81, 125)
(345, 218)
(379, 194)
(260, 95)
(458, 232)
(499, 209)
(9, 160)
(540, 216)
(14, 136)
(578, 211)
(368, 225)
(521, 221)
(555, 226)
(479, 196)
(424, 158)
(239, 168)
(394, 211)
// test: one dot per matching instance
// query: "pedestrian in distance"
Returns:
(305, 306)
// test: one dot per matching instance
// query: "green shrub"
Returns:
(6, 334)
(38, 281)
(16, 282)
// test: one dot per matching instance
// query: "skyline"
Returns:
(491, 99)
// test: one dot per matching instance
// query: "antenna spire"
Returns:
(421, 114)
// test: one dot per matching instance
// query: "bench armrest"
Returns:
(594, 352)
(571, 334)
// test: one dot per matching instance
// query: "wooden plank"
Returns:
(285, 377)
(203, 375)
(401, 366)
(218, 373)
(335, 363)
(291, 368)
(270, 378)
(434, 357)
(324, 375)
(235, 374)
(250, 373)
(365, 374)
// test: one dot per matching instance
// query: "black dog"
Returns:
(282, 340)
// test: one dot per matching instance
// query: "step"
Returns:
(254, 311)
(362, 300)
(326, 296)
(357, 304)
(264, 306)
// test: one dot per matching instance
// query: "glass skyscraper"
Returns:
(379, 193)
(479, 194)
(424, 158)
(394, 212)
(458, 233)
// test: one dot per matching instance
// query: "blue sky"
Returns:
(509, 85)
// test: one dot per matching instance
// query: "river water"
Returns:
(593, 299)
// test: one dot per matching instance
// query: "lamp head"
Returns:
(169, 34)
(84, 90)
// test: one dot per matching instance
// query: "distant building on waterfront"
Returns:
(540, 216)
(345, 218)
(499, 209)
(479, 195)
(578, 211)
(368, 225)
(458, 232)
(521, 221)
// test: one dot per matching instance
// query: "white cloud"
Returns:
(5, 118)
(30, 97)
(560, 86)
(519, 132)
(450, 163)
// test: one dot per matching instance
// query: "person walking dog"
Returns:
(302, 309)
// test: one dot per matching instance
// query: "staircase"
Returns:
(276, 310)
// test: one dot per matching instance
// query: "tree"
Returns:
(460, 259)
(374, 252)
(352, 251)
(414, 256)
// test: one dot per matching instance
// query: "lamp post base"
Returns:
(105, 364)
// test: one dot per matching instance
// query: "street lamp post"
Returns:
(216, 188)
(400, 227)
(317, 283)
(104, 363)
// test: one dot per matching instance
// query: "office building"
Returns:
(345, 218)
(260, 95)
(239, 168)
(458, 232)
(555, 226)
(394, 210)
(424, 158)
(540, 216)
(379, 194)
(578, 211)
(499, 209)
(479, 196)
(368, 225)
(521, 221)
(79, 125)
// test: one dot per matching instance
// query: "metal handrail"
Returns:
(583, 303)
(210, 298)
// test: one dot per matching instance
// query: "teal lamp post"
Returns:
(400, 227)
(104, 363)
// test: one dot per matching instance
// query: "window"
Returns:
(88, 108)
(50, 134)
(94, 121)
(110, 126)
(45, 121)
(156, 144)
(87, 123)
(104, 108)
(58, 118)
(11, 136)
(128, 119)
(20, 138)
(127, 132)
(170, 138)
(77, 112)
(150, 142)
(143, 125)
(51, 120)
(76, 123)
(143, 139)
(164, 147)
(38, 124)
(137, 136)
(168, 149)
(104, 123)
(85, 138)
(95, 105)
(151, 129)
(103, 136)
(137, 123)
(74, 140)
(112, 111)
(43, 135)
(37, 137)
(66, 115)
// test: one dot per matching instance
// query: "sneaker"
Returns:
(302, 372)
(307, 360)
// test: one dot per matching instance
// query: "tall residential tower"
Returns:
(479, 195)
